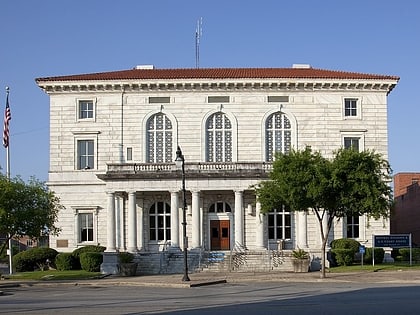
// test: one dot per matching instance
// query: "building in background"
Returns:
(113, 141)
(405, 217)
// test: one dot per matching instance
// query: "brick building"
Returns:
(405, 217)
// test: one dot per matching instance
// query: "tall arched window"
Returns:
(278, 135)
(160, 221)
(159, 139)
(218, 138)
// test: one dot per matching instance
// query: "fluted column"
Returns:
(302, 229)
(239, 218)
(259, 227)
(132, 222)
(175, 219)
(195, 224)
(110, 246)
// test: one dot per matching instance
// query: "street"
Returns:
(240, 298)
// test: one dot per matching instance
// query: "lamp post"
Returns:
(180, 164)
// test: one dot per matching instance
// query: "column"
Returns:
(195, 204)
(302, 240)
(239, 218)
(259, 227)
(110, 246)
(132, 222)
(140, 224)
(175, 220)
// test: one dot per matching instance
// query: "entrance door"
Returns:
(220, 234)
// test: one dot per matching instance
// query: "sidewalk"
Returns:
(211, 278)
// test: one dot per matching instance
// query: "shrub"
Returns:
(66, 261)
(379, 255)
(41, 257)
(86, 249)
(91, 261)
(343, 256)
(345, 243)
(126, 257)
(404, 254)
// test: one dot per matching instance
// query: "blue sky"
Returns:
(51, 38)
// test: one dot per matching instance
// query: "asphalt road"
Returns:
(229, 298)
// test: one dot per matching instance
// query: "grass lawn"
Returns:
(377, 267)
(54, 275)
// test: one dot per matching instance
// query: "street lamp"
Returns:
(180, 164)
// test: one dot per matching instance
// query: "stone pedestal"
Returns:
(110, 263)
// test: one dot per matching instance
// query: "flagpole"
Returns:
(8, 177)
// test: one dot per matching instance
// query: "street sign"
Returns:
(393, 240)
(362, 249)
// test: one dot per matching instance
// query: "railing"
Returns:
(201, 167)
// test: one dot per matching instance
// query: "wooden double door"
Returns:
(220, 234)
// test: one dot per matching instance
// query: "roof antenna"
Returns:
(198, 34)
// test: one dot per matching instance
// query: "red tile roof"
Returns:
(220, 73)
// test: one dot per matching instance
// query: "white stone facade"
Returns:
(117, 135)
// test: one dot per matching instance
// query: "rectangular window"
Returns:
(280, 225)
(159, 99)
(353, 227)
(129, 154)
(350, 107)
(85, 154)
(85, 109)
(218, 99)
(351, 142)
(86, 227)
(278, 99)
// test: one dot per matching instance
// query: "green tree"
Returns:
(352, 183)
(27, 209)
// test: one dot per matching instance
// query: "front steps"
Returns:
(172, 262)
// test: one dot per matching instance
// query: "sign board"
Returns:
(362, 249)
(393, 240)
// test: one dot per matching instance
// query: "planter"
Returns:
(127, 269)
(301, 265)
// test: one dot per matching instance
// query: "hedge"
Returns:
(66, 261)
(38, 257)
(86, 249)
(91, 261)
(379, 255)
(343, 256)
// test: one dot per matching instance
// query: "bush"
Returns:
(86, 249)
(91, 261)
(126, 257)
(66, 261)
(379, 255)
(404, 254)
(41, 257)
(345, 243)
(343, 256)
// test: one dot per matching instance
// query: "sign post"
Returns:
(362, 250)
(393, 241)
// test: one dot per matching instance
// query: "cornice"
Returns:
(216, 85)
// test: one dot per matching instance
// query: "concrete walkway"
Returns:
(211, 278)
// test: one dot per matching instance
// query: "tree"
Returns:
(27, 209)
(352, 183)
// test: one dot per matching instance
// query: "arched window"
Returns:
(159, 139)
(278, 135)
(160, 221)
(218, 138)
(280, 224)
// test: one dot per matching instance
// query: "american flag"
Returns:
(7, 117)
